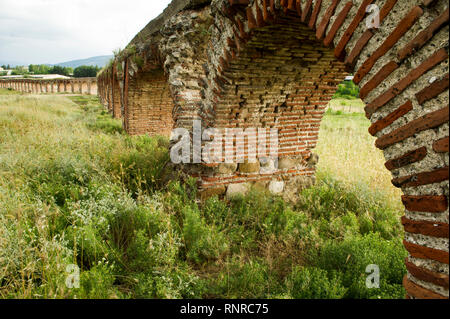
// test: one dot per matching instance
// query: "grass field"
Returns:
(76, 190)
(347, 105)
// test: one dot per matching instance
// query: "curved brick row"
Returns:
(274, 64)
(81, 85)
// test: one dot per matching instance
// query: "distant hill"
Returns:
(100, 61)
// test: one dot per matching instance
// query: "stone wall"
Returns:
(37, 86)
(274, 64)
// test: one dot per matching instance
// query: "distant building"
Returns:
(349, 78)
(41, 77)
(5, 72)
(49, 76)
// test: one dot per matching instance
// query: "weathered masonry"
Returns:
(274, 64)
(36, 86)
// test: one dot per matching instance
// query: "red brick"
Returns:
(419, 292)
(391, 40)
(433, 90)
(377, 79)
(321, 29)
(441, 146)
(268, 17)
(424, 178)
(423, 37)
(391, 118)
(386, 9)
(291, 5)
(337, 24)
(314, 14)
(351, 28)
(426, 275)
(298, 7)
(406, 159)
(431, 204)
(423, 252)
(426, 228)
(428, 121)
(259, 17)
(251, 19)
(306, 10)
(352, 57)
(400, 86)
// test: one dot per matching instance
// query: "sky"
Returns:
(55, 31)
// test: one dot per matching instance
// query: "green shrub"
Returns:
(330, 198)
(141, 167)
(347, 90)
(314, 283)
(351, 257)
(56, 181)
(246, 279)
(176, 284)
(107, 125)
(260, 213)
(203, 242)
(97, 283)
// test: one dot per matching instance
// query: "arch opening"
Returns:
(283, 79)
(149, 105)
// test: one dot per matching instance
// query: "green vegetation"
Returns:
(41, 69)
(79, 72)
(347, 90)
(74, 189)
(85, 71)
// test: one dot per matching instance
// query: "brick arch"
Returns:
(402, 71)
(115, 94)
(147, 103)
(273, 63)
(277, 76)
(108, 91)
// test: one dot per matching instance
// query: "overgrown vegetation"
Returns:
(74, 189)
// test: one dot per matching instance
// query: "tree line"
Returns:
(83, 71)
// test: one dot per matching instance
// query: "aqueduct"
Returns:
(275, 64)
(37, 86)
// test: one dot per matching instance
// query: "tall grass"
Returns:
(74, 189)
(347, 152)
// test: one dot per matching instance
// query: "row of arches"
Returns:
(75, 86)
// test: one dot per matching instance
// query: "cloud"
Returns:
(53, 31)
